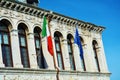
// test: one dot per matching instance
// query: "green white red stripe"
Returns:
(46, 33)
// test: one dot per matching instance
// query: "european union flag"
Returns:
(78, 42)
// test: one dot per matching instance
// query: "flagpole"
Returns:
(57, 76)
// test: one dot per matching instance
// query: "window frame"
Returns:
(40, 48)
(69, 43)
(59, 52)
(6, 32)
(25, 47)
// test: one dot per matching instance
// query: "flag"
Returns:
(46, 33)
(78, 42)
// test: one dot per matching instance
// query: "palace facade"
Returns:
(24, 54)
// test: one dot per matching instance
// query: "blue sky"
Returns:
(100, 12)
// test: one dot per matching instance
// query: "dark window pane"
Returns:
(6, 56)
(71, 62)
(3, 27)
(57, 38)
(9, 62)
(36, 34)
(21, 30)
(40, 59)
(24, 57)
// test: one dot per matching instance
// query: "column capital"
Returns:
(15, 49)
(84, 46)
(98, 49)
(14, 30)
(64, 41)
(30, 35)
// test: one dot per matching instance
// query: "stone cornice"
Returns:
(84, 73)
(26, 70)
(45, 71)
(38, 12)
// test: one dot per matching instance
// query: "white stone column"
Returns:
(1, 60)
(102, 58)
(90, 56)
(31, 51)
(93, 62)
(15, 49)
(77, 58)
(48, 57)
(65, 54)
(86, 58)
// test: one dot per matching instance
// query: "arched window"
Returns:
(38, 47)
(58, 50)
(70, 51)
(82, 60)
(5, 44)
(94, 43)
(23, 45)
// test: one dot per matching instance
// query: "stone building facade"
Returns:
(24, 54)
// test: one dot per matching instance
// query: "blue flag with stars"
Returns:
(78, 42)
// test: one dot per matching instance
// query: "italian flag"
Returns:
(46, 33)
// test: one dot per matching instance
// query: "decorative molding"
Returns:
(38, 12)
(84, 73)
(8, 70)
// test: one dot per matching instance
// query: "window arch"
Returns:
(22, 29)
(70, 51)
(95, 46)
(57, 36)
(5, 43)
(38, 47)
(82, 60)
